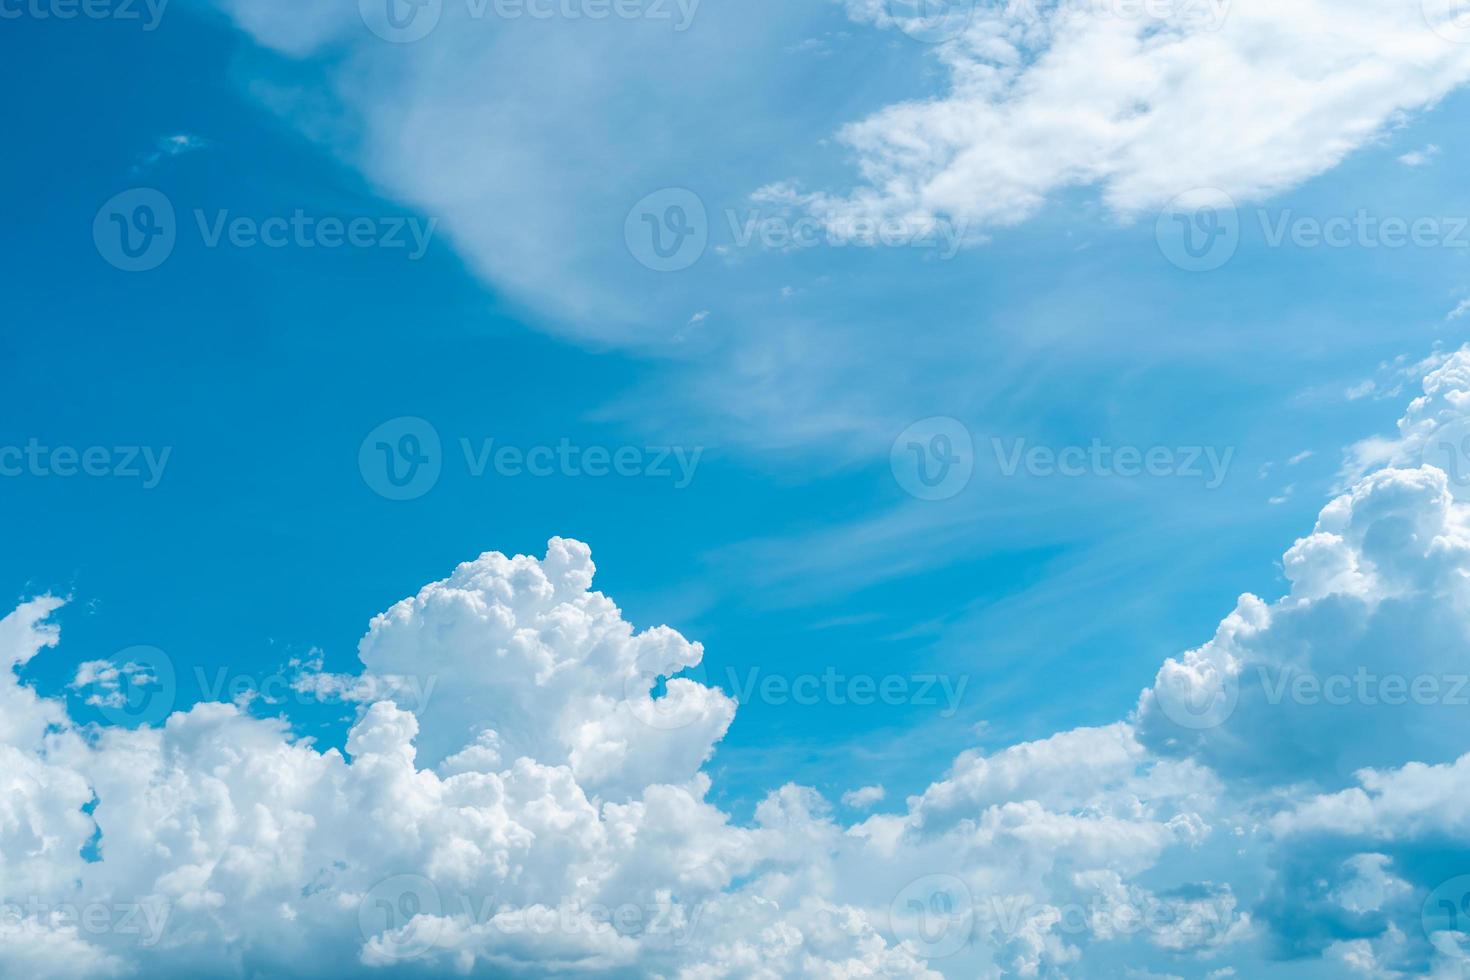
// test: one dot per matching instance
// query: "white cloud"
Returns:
(169, 146)
(1253, 97)
(533, 193)
(542, 219)
(541, 812)
(1442, 407)
(1283, 496)
(1302, 687)
(1420, 157)
(864, 797)
(1143, 103)
(521, 649)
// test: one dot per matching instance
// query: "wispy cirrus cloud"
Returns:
(169, 146)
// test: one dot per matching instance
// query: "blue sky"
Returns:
(518, 150)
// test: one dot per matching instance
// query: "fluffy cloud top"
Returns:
(540, 808)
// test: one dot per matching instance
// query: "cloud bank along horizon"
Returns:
(1291, 796)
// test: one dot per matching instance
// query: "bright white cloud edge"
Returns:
(540, 789)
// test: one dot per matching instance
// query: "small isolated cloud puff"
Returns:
(864, 797)
(169, 146)
(1420, 157)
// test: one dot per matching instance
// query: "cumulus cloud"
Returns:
(566, 829)
(1371, 636)
(542, 808)
(564, 678)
